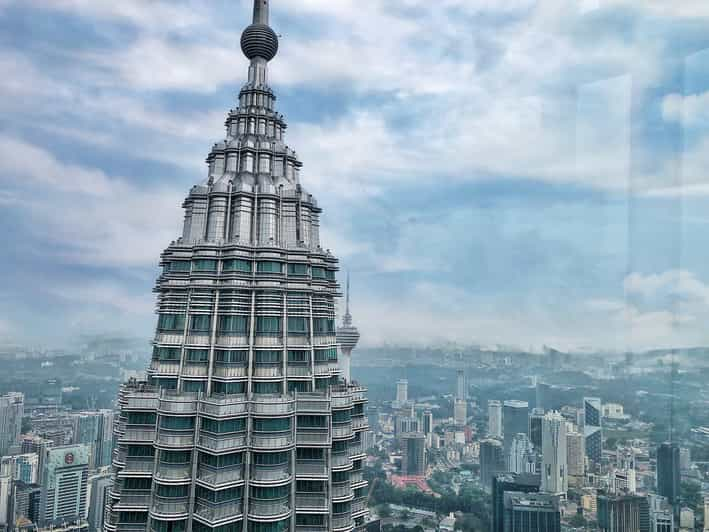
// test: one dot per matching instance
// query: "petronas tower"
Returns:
(245, 422)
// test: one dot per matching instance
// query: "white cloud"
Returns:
(691, 110)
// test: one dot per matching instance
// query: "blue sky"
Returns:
(499, 172)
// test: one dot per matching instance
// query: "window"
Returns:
(298, 356)
(309, 520)
(166, 353)
(322, 384)
(171, 323)
(323, 326)
(265, 266)
(310, 486)
(318, 272)
(233, 325)
(141, 418)
(323, 355)
(194, 386)
(165, 383)
(225, 426)
(297, 269)
(204, 265)
(232, 527)
(138, 484)
(267, 387)
(228, 388)
(309, 453)
(271, 424)
(176, 457)
(179, 266)
(268, 325)
(340, 508)
(168, 526)
(172, 491)
(224, 460)
(279, 526)
(312, 422)
(230, 357)
(267, 357)
(271, 458)
(177, 423)
(237, 265)
(220, 496)
(200, 323)
(141, 451)
(299, 386)
(341, 416)
(132, 517)
(197, 355)
(276, 492)
(297, 325)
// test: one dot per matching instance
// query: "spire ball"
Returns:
(259, 40)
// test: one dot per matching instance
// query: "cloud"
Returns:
(691, 110)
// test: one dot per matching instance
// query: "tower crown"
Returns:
(259, 40)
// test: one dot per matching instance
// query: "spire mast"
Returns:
(261, 9)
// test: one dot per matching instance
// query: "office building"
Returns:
(460, 412)
(413, 463)
(554, 471)
(531, 512)
(402, 391)
(685, 458)
(98, 489)
(460, 388)
(509, 482)
(521, 457)
(26, 502)
(575, 454)
(492, 461)
(64, 483)
(592, 430)
(515, 420)
(12, 408)
(95, 428)
(22, 467)
(619, 513)
(427, 422)
(535, 427)
(244, 422)
(656, 514)
(347, 338)
(706, 513)
(494, 416)
(542, 396)
(686, 519)
(668, 472)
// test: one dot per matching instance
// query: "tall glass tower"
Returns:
(245, 423)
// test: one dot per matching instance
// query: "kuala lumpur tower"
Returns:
(347, 338)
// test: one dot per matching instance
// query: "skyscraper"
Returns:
(414, 457)
(619, 514)
(347, 338)
(515, 420)
(494, 416)
(531, 512)
(668, 472)
(460, 412)
(520, 483)
(592, 431)
(575, 454)
(535, 427)
(95, 428)
(12, 408)
(554, 471)
(427, 419)
(244, 423)
(402, 391)
(65, 476)
(492, 461)
(520, 459)
(460, 390)
(99, 486)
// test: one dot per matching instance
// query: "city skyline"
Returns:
(513, 154)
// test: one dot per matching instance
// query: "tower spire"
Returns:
(347, 318)
(261, 12)
(260, 44)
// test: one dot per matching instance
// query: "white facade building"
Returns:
(554, 470)
(494, 416)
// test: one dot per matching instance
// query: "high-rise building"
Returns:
(402, 391)
(575, 454)
(515, 420)
(592, 431)
(22, 467)
(347, 338)
(494, 416)
(535, 427)
(244, 422)
(520, 483)
(531, 512)
(26, 502)
(427, 419)
(660, 514)
(706, 513)
(460, 412)
(12, 408)
(460, 390)
(95, 428)
(413, 462)
(99, 486)
(64, 483)
(619, 514)
(492, 461)
(521, 458)
(668, 472)
(542, 396)
(554, 471)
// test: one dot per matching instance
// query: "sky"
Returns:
(492, 172)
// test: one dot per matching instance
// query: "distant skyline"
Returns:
(517, 172)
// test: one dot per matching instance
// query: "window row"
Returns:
(246, 266)
(239, 325)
